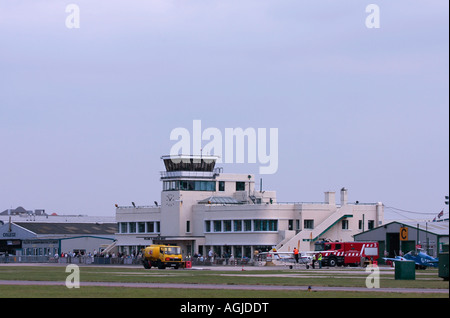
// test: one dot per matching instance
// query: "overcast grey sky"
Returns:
(86, 113)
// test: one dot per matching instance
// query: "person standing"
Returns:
(320, 260)
(296, 254)
(211, 255)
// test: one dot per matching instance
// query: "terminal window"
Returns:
(227, 225)
(241, 226)
(308, 224)
(345, 224)
(217, 226)
(141, 227)
(132, 227)
(265, 225)
(207, 226)
(240, 186)
(188, 226)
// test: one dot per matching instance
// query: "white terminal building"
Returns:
(203, 208)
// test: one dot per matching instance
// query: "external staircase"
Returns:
(306, 237)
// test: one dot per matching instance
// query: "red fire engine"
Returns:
(346, 253)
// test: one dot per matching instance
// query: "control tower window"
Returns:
(189, 185)
(221, 185)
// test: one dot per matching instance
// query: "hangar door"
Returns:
(408, 246)
(393, 244)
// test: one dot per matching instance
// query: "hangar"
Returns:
(39, 239)
(398, 237)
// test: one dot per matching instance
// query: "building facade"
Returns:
(203, 209)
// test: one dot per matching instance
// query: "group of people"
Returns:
(211, 256)
(316, 257)
(96, 254)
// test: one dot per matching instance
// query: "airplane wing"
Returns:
(279, 253)
(398, 258)
(285, 254)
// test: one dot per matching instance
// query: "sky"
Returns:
(86, 112)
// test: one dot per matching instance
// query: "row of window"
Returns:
(370, 224)
(193, 185)
(241, 226)
(139, 227)
(309, 224)
(40, 251)
(257, 225)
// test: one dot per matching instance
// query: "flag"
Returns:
(441, 214)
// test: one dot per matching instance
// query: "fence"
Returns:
(70, 260)
(26, 259)
(223, 261)
(117, 260)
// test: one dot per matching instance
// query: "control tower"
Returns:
(187, 180)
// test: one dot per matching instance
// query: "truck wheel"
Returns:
(332, 262)
(146, 264)
(161, 265)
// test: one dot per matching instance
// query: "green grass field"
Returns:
(18, 292)
(344, 278)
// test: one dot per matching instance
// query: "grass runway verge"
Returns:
(279, 277)
(17, 292)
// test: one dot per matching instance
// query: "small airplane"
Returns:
(303, 257)
(422, 260)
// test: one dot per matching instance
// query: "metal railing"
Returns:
(218, 261)
(116, 260)
(71, 260)
(187, 174)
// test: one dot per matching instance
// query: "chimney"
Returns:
(330, 197)
(344, 196)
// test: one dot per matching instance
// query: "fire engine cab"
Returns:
(346, 253)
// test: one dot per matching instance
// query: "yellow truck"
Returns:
(162, 256)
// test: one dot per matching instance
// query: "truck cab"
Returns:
(329, 256)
